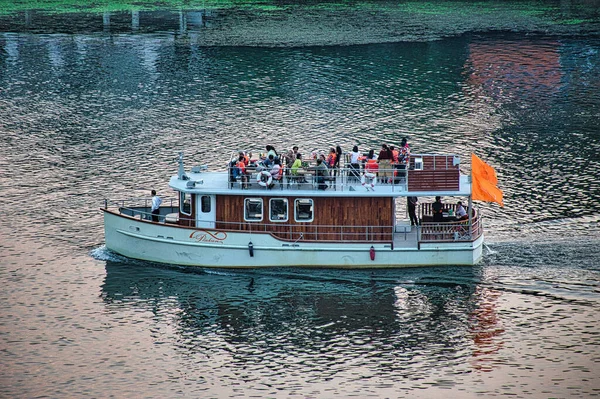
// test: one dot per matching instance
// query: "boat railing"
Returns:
(451, 231)
(141, 207)
(338, 179)
(315, 232)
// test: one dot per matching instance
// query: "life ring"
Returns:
(264, 178)
(368, 175)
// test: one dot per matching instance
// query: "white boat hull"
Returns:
(164, 243)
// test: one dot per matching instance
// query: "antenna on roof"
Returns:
(181, 172)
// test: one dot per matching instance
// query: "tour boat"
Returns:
(347, 218)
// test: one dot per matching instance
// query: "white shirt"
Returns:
(460, 211)
(156, 201)
(354, 157)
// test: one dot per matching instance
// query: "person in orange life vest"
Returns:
(371, 166)
(331, 158)
(235, 165)
(395, 153)
(240, 169)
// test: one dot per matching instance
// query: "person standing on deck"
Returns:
(403, 158)
(336, 163)
(385, 164)
(156, 201)
(412, 207)
(354, 163)
(438, 210)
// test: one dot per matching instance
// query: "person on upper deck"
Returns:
(297, 164)
(276, 172)
(403, 158)
(240, 169)
(354, 163)
(385, 164)
(271, 151)
(290, 156)
(323, 159)
(331, 158)
(371, 165)
(320, 173)
(395, 153)
(438, 210)
(270, 161)
(336, 163)
(404, 154)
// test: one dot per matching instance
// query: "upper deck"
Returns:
(427, 175)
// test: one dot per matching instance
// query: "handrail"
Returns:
(342, 178)
(451, 231)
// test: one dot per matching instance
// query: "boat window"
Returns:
(278, 210)
(303, 210)
(253, 208)
(185, 203)
(205, 204)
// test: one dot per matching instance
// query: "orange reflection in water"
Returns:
(509, 68)
(486, 329)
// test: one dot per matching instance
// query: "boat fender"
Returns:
(372, 253)
(264, 178)
(251, 249)
(366, 176)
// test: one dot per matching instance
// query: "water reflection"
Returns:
(325, 320)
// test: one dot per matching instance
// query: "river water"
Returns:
(96, 105)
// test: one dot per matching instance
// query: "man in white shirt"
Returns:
(460, 211)
(156, 201)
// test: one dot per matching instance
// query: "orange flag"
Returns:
(484, 181)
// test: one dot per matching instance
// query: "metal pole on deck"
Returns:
(470, 217)
(470, 208)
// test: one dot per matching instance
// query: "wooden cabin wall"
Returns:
(438, 174)
(434, 180)
(431, 162)
(334, 217)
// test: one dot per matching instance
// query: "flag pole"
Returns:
(470, 207)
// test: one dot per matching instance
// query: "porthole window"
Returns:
(303, 210)
(253, 209)
(278, 210)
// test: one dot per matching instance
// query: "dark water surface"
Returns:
(95, 106)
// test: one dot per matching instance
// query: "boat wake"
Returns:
(489, 251)
(103, 253)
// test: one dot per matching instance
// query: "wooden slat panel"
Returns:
(433, 180)
(434, 162)
(333, 212)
